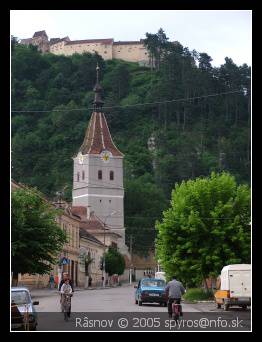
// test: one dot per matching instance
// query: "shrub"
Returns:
(196, 294)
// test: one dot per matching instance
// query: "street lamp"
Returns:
(104, 259)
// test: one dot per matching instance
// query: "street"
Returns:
(97, 303)
(118, 299)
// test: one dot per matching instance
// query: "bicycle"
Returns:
(66, 305)
(176, 310)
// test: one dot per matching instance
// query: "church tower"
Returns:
(98, 172)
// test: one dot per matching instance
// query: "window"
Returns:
(100, 201)
(83, 174)
(109, 201)
(99, 174)
(111, 175)
(78, 176)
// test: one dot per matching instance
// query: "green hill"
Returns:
(53, 99)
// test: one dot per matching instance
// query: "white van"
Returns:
(160, 275)
(235, 286)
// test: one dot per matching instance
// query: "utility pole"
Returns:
(130, 249)
(104, 261)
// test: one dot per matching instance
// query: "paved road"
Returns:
(97, 303)
(118, 299)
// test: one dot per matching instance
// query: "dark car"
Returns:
(23, 314)
(151, 290)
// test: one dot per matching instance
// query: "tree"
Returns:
(36, 238)
(204, 61)
(114, 262)
(87, 261)
(119, 80)
(206, 228)
(144, 203)
(156, 44)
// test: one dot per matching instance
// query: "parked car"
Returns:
(23, 313)
(151, 290)
(235, 286)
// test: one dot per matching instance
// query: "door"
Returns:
(246, 283)
(239, 283)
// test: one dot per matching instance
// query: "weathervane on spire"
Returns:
(98, 103)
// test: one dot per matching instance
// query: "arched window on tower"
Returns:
(111, 175)
(99, 174)
(78, 176)
(83, 174)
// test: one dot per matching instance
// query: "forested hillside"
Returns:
(189, 137)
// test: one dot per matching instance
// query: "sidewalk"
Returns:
(46, 292)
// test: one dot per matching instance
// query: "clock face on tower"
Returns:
(80, 158)
(105, 156)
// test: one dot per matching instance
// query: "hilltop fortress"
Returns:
(130, 51)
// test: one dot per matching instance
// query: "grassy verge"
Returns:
(196, 294)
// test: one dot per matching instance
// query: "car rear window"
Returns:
(153, 283)
(20, 297)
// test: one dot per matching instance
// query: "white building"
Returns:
(98, 174)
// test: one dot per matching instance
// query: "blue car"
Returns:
(151, 290)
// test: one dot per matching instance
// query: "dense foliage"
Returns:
(36, 237)
(114, 262)
(188, 138)
(206, 228)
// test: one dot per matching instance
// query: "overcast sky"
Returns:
(219, 33)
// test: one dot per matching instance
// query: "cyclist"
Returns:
(66, 293)
(174, 291)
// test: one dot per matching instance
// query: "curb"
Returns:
(205, 301)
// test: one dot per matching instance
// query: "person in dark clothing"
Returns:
(65, 277)
(90, 281)
(174, 290)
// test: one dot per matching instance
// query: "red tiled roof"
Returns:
(93, 223)
(128, 43)
(39, 34)
(84, 234)
(80, 211)
(54, 40)
(91, 41)
(98, 137)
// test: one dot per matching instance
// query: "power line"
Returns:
(131, 105)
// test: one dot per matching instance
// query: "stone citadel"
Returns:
(130, 51)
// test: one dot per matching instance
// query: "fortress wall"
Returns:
(104, 50)
(130, 52)
(58, 48)
(127, 51)
(69, 49)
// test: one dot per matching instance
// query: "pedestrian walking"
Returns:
(51, 281)
(56, 281)
(90, 281)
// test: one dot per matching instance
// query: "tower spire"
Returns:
(98, 103)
